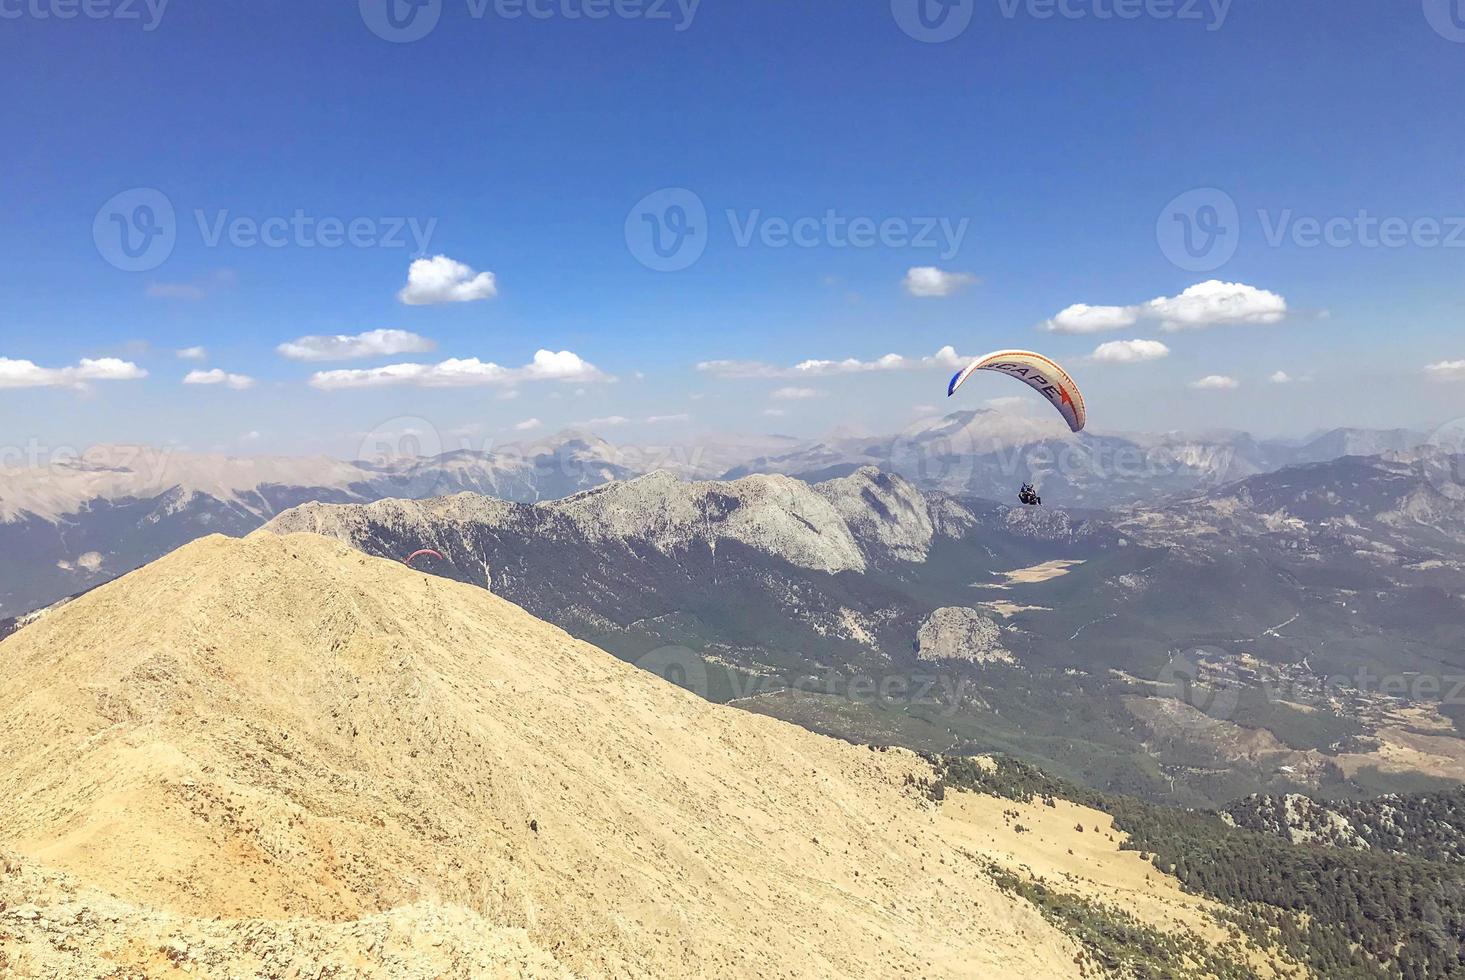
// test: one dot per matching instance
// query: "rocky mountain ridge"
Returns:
(277, 754)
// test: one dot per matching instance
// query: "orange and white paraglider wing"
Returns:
(422, 554)
(1039, 373)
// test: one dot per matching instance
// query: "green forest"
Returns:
(1393, 910)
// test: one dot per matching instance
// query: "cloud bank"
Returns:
(464, 373)
(946, 357)
(27, 374)
(343, 347)
(1207, 304)
(238, 382)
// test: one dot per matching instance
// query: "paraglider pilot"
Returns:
(1029, 496)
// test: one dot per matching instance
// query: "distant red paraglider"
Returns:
(425, 551)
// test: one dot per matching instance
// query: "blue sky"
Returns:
(1055, 144)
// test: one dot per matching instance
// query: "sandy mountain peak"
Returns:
(281, 729)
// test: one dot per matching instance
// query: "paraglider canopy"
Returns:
(1037, 372)
(424, 552)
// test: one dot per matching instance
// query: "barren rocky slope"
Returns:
(277, 754)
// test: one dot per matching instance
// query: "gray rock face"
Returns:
(837, 572)
(959, 633)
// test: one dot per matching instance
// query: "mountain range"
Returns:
(1187, 644)
(74, 523)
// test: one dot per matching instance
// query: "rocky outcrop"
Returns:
(958, 633)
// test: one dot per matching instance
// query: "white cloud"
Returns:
(679, 417)
(191, 353)
(1206, 304)
(1446, 371)
(798, 394)
(1130, 351)
(604, 421)
(238, 382)
(1215, 303)
(528, 425)
(26, 374)
(1215, 382)
(929, 282)
(946, 357)
(561, 366)
(925, 409)
(343, 347)
(774, 413)
(443, 280)
(1083, 318)
(464, 373)
(1009, 403)
(1281, 378)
